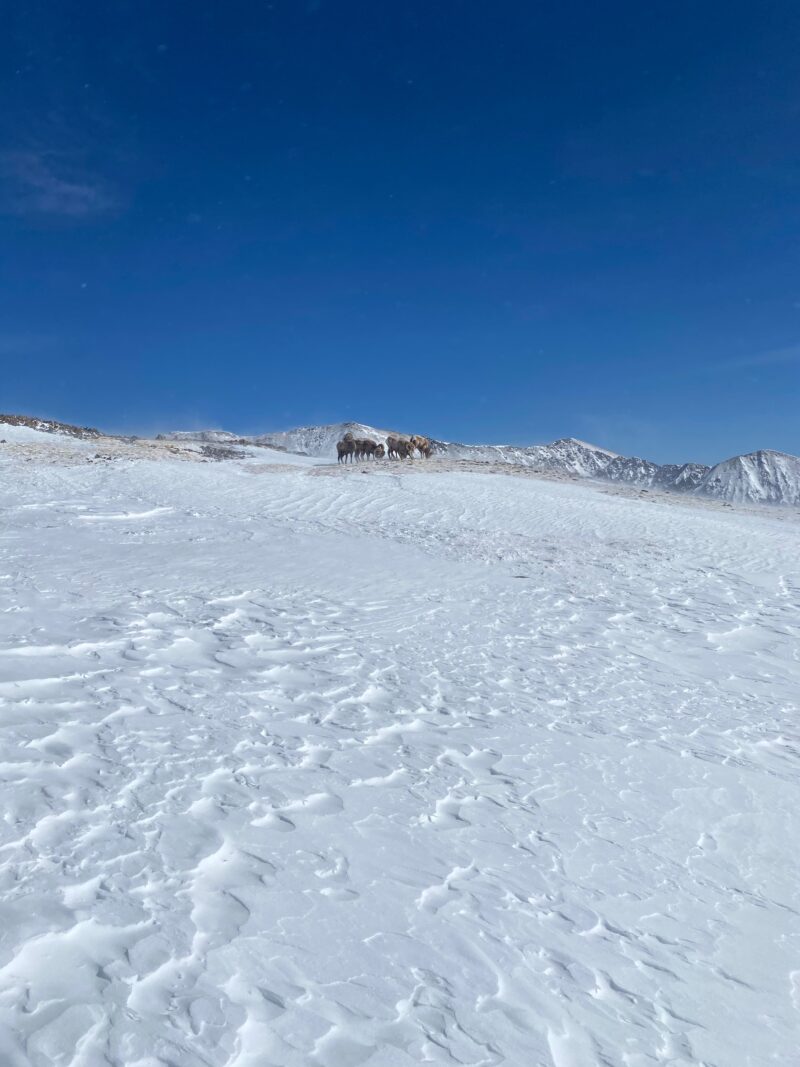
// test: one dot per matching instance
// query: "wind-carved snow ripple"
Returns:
(535, 814)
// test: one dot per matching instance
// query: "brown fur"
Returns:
(345, 448)
(365, 447)
(399, 448)
(404, 449)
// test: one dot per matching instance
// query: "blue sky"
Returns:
(505, 222)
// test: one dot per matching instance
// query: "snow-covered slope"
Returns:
(567, 455)
(325, 767)
(643, 472)
(321, 440)
(208, 436)
(681, 476)
(763, 477)
(29, 434)
(63, 429)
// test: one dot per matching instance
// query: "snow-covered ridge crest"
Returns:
(320, 440)
(567, 454)
(208, 436)
(760, 477)
(317, 441)
(65, 429)
(763, 477)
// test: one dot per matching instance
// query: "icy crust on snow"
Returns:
(305, 768)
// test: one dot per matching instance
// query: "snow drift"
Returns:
(317, 766)
(762, 477)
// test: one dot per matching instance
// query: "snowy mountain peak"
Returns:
(763, 477)
(209, 436)
(320, 440)
(576, 441)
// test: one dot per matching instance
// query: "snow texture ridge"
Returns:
(307, 766)
(762, 477)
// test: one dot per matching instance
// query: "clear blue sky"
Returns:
(489, 222)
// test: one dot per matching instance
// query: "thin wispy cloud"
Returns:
(52, 185)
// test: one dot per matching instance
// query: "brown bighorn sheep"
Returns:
(365, 447)
(399, 447)
(422, 445)
(345, 448)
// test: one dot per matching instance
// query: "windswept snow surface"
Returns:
(310, 767)
(760, 477)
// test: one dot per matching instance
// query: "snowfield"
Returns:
(305, 766)
(763, 477)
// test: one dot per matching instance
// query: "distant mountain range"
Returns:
(763, 477)
(759, 477)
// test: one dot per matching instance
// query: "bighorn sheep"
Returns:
(422, 445)
(358, 448)
(345, 448)
(399, 447)
(365, 447)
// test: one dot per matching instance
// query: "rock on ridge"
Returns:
(66, 429)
